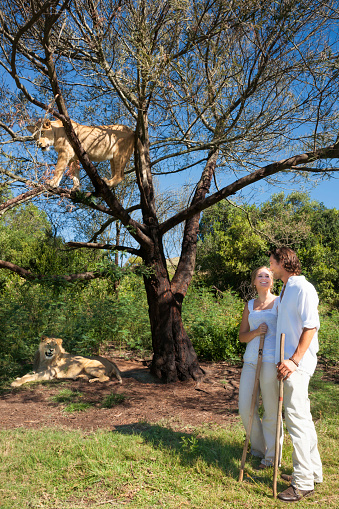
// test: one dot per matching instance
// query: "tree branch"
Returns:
(18, 200)
(109, 222)
(186, 265)
(14, 135)
(109, 247)
(285, 164)
(137, 230)
(29, 276)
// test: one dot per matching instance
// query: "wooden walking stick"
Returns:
(277, 433)
(254, 398)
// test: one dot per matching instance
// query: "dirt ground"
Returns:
(182, 404)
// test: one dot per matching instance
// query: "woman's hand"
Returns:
(245, 335)
(262, 329)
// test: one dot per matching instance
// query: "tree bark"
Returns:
(174, 357)
(116, 256)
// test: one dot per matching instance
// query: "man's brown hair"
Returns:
(288, 259)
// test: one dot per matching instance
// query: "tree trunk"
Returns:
(116, 255)
(174, 357)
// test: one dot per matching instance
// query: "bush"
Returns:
(329, 336)
(212, 322)
(88, 317)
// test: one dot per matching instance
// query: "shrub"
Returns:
(329, 336)
(212, 322)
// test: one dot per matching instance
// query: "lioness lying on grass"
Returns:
(51, 361)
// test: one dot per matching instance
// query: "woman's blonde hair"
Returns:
(254, 275)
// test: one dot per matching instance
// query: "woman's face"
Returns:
(263, 279)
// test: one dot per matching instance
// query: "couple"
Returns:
(294, 313)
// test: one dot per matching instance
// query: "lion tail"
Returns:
(111, 368)
(115, 371)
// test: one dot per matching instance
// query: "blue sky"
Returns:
(328, 193)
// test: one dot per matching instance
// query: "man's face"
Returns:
(276, 268)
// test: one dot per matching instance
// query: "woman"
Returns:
(260, 317)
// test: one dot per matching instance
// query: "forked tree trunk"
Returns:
(174, 357)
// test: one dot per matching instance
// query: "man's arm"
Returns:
(287, 367)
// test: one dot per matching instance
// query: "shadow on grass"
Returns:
(222, 452)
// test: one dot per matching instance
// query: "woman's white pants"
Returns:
(263, 430)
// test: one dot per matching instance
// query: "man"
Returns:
(298, 319)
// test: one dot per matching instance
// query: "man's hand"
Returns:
(285, 369)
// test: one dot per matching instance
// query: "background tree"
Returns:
(245, 88)
(234, 240)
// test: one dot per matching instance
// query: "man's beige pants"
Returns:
(307, 467)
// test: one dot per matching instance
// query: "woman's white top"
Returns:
(255, 318)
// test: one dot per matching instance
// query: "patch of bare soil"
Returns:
(182, 404)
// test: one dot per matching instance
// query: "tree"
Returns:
(229, 247)
(234, 240)
(245, 88)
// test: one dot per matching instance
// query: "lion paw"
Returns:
(52, 183)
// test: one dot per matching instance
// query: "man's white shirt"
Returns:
(298, 309)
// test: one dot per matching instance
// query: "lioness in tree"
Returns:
(114, 143)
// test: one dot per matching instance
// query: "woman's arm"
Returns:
(245, 335)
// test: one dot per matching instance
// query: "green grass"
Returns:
(72, 400)
(112, 400)
(154, 466)
(77, 407)
(324, 394)
(67, 396)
